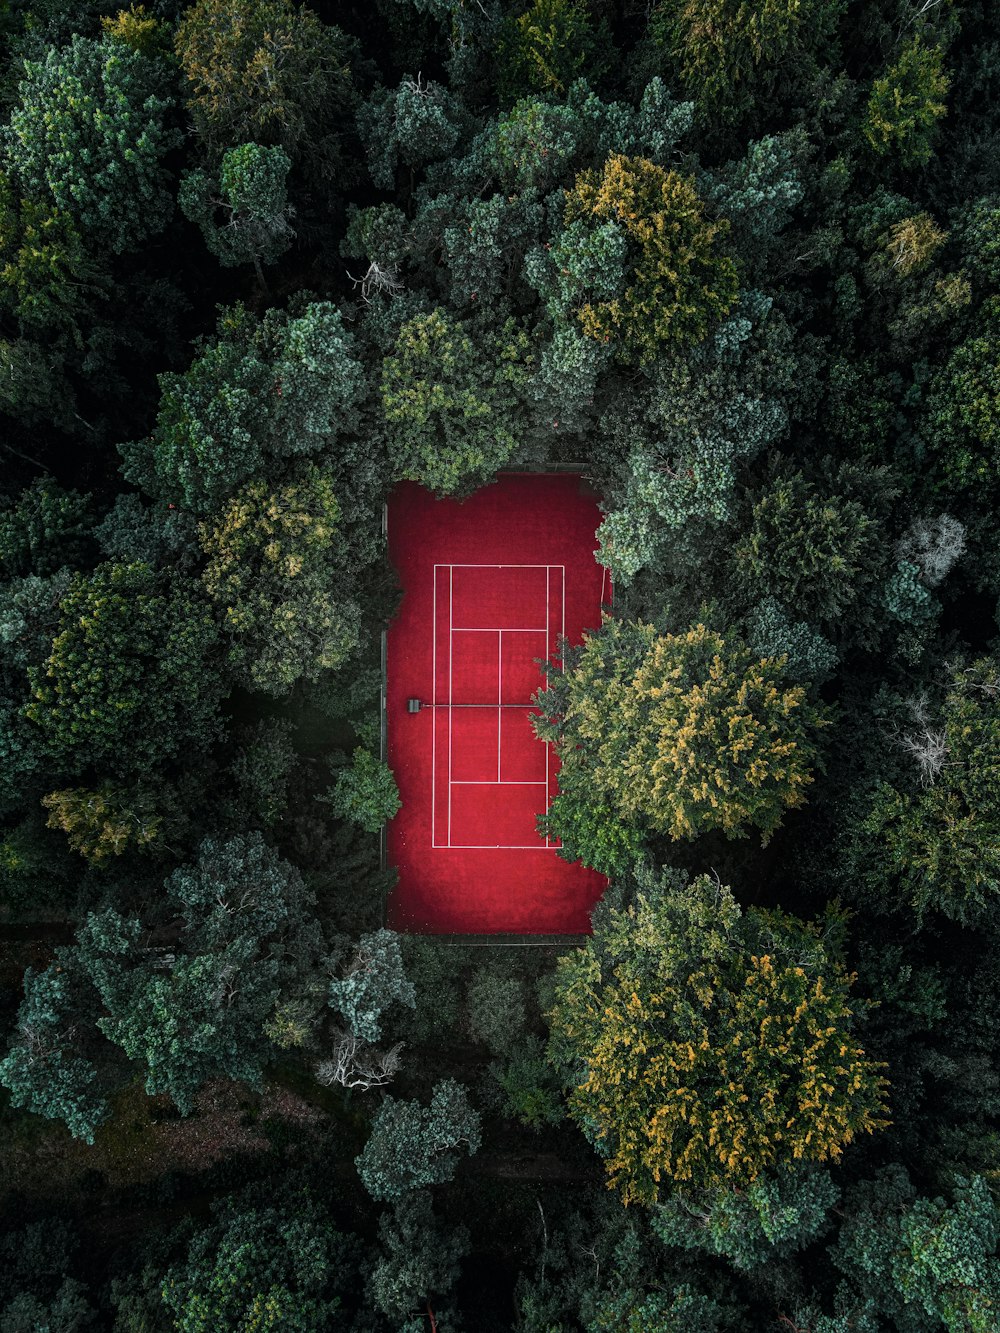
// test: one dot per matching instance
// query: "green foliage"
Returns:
(430, 965)
(935, 838)
(814, 546)
(273, 1269)
(262, 768)
(587, 828)
(48, 281)
(412, 1146)
(268, 72)
(906, 103)
(962, 428)
(548, 47)
(757, 193)
(778, 1213)
(682, 1310)
(239, 887)
(529, 1085)
(29, 620)
(90, 133)
(417, 1258)
(107, 820)
(704, 1046)
(129, 678)
(682, 733)
(43, 1070)
(722, 50)
(496, 1010)
(676, 452)
(258, 391)
(36, 1294)
(412, 124)
(929, 1262)
(365, 792)
(772, 634)
(33, 383)
(451, 397)
(637, 264)
(45, 528)
(274, 559)
(243, 214)
(199, 1017)
(374, 980)
(157, 535)
(68, 1312)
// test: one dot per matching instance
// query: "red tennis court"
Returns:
(490, 585)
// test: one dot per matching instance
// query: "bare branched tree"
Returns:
(378, 281)
(933, 545)
(356, 1064)
(929, 750)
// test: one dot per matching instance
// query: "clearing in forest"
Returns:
(490, 585)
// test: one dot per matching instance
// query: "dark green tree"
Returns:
(45, 528)
(90, 133)
(129, 678)
(271, 1268)
(412, 124)
(45, 1070)
(817, 545)
(374, 980)
(181, 1021)
(418, 1258)
(259, 391)
(922, 1262)
(244, 214)
(412, 1146)
(931, 840)
(780, 1212)
(452, 400)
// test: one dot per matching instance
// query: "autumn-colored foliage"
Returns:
(702, 1045)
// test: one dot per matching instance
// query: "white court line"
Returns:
(451, 637)
(434, 720)
(499, 694)
(466, 629)
(486, 782)
(548, 571)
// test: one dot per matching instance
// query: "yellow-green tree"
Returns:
(266, 72)
(652, 223)
(274, 570)
(107, 820)
(702, 1046)
(724, 50)
(906, 103)
(682, 733)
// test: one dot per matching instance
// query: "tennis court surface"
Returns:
(489, 586)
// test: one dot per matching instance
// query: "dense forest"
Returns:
(737, 262)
